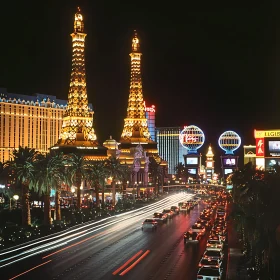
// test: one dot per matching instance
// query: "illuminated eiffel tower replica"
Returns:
(77, 133)
(135, 129)
(136, 145)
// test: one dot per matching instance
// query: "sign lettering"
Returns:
(190, 139)
(267, 133)
(259, 147)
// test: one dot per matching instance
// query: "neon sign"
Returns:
(191, 138)
(151, 109)
(259, 147)
(229, 141)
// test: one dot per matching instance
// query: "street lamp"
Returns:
(15, 197)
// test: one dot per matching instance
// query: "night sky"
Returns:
(217, 68)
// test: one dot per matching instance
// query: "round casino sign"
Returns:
(229, 141)
(192, 138)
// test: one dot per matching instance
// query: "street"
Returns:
(109, 249)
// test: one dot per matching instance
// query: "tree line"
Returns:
(34, 171)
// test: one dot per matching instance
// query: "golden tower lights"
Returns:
(78, 120)
(135, 129)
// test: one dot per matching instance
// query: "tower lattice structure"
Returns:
(77, 123)
(136, 124)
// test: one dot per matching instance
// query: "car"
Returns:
(199, 228)
(190, 236)
(175, 209)
(214, 244)
(205, 223)
(213, 254)
(160, 217)
(184, 206)
(207, 262)
(149, 224)
(221, 223)
(219, 230)
(209, 273)
(168, 212)
(216, 235)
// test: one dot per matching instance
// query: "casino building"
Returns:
(169, 146)
(32, 121)
(267, 148)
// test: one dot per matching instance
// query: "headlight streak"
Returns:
(81, 227)
(42, 246)
(150, 209)
(89, 225)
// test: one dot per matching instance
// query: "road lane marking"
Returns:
(135, 263)
(29, 270)
(127, 262)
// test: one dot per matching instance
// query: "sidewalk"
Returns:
(234, 262)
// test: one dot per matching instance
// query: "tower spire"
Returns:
(78, 119)
(135, 124)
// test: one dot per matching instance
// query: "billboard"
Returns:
(192, 160)
(229, 162)
(271, 162)
(192, 171)
(272, 147)
(228, 171)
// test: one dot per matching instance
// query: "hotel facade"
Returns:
(33, 121)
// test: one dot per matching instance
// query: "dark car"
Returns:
(175, 209)
(190, 236)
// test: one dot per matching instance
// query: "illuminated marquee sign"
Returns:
(191, 138)
(229, 141)
(259, 147)
(151, 109)
(267, 133)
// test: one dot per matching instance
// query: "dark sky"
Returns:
(217, 68)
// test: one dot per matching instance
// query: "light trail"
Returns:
(129, 218)
(29, 270)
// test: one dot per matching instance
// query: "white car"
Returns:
(199, 228)
(160, 217)
(215, 244)
(213, 254)
(149, 224)
(209, 273)
(205, 262)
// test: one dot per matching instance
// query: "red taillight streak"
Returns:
(135, 263)
(127, 262)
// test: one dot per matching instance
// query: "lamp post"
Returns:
(15, 197)
(133, 192)
(73, 191)
(138, 189)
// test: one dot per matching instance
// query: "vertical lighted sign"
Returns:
(260, 147)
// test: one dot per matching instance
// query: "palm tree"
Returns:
(125, 176)
(49, 175)
(22, 168)
(256, 194)
(156, 173)
(114, 169)
(180, 170)
(77, 170)
(96, 175)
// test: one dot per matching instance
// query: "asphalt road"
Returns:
(112, 249)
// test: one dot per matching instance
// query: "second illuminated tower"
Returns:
(135, 129)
